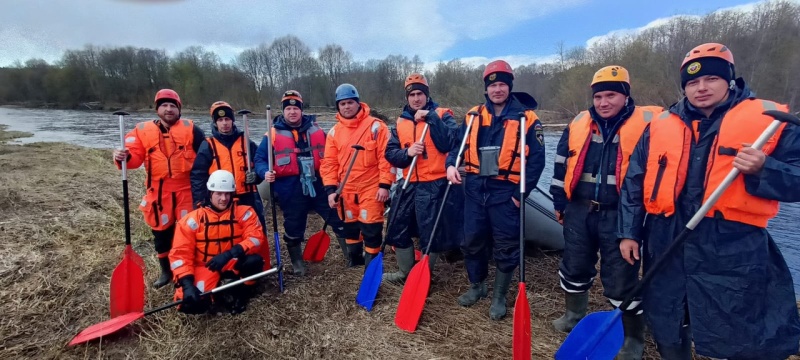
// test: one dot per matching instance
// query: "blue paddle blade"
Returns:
(598, 336)
(370, 283)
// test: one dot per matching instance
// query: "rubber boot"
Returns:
(633, 345)
(576, 304)
(476, 292)
(501, 283)
(166, 273)
(241, 297)
(355, 255)
(405, 261)
(296, 255)
(367, 259)
(343, 246)
(432, 257)
(682, 351)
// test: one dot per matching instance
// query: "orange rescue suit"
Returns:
(508, 161)
(581, 130)
(432, 166)
(668, 160)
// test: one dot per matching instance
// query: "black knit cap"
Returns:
(417, 86)
(706, 66)
(222, 111)
(618, 86)
(161, 101)
(499, 76)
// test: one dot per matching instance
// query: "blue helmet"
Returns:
(346, 91)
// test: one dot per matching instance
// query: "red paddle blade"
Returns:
(106, 327)
(127, 285)
(316, 247)
(521, 338)
(417, 254)
(412, 300)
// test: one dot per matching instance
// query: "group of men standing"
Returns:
(626, 180)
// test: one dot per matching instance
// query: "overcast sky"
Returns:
(521, 31)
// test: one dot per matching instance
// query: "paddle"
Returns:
(110, 326)
(521, 335)
(415, 291)
(127, 280)
(270, 160)
(600, 335)
(373, 275)
(318, 244)
(244, 113)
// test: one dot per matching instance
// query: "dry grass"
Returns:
(61, 234)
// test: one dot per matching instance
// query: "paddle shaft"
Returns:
(406, 180)
(449, 183)
(215, 290)
(271, 164)
(125, 198)
(698, 216)
(522, 136)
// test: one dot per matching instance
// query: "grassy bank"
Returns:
(61, 235)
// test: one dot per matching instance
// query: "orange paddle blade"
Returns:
(521, 338)
(415, 292)
(106, 327)
(127, 285)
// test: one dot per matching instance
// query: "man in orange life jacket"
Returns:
(727, 288)
(591, 160)
(220, 240)
(298, 149)
(167, 147)
(361, 205)
(224, 150)
(491, 184)
(424, 194)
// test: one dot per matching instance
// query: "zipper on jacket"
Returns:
(662, 166)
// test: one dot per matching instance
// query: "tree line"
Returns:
(765, 43)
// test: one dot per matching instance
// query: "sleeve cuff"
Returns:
(330, 189)
(385, 186)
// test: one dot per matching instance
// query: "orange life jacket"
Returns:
(430, 166)
(286, 150)
(668, 161)
(583, 130)
(233, 160)
(508, 162)
(168, 156)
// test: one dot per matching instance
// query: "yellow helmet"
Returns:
(611, 73)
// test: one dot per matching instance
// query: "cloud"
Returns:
(368, 29)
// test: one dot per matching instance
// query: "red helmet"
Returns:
(498, 66)
(168, 94)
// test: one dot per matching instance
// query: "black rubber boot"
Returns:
(405, 261)
(576, 304)
(367, 259)
(432, 257)
(166, 273)
(501, 283)
(682, 351)
(241, 297)
(355, 256)
(296, 255)
(343, 246)
(476, 292)
(633, 345)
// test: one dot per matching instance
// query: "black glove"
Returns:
(218, 262)
(191, 294)
(250, 178)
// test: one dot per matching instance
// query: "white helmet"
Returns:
(221, 180)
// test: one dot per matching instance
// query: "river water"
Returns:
(101, 130)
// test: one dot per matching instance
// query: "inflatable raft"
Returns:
(541, 227)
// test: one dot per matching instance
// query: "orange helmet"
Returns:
(498, 66)
(709, 50)
(168, 94)
(217, 105)
(611, 73)
(416, 78)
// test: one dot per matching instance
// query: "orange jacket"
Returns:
(508, 162)
(583, 129)
(668, 161)
(167, 157)
(371, 168)
(205, 233)
(431, 166)
(233, 161)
